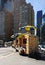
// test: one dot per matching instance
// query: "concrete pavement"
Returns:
(4, 52)
(13, 58)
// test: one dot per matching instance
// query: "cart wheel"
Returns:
(21, 52)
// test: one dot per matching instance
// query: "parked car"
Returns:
(41, 49)
(8, 43)
(1, 43)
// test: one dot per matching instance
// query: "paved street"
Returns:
(4, 52)
(8, 56)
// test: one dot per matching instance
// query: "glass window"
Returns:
(43, 20)
(24, 41)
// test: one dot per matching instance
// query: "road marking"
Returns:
(1, 57)
(5, 52)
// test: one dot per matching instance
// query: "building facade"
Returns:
(43, 29)
(17, 5)
(8, 25)
(39, 22)
(2, 25)
(43, 19)
(9, 6)
(2, 2)
(23, 14)
(26, 15)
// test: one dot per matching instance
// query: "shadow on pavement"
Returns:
(42, 58)
(39, 58)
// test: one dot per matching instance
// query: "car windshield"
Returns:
(43, 46)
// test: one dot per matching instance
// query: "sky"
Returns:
(37, 5)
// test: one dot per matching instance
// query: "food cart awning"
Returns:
(21, 35)
(28, 28)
